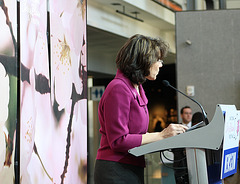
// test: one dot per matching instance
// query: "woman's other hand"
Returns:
(173, 129)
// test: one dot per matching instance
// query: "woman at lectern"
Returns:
(123, 113)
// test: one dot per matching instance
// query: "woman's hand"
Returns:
(172, 130)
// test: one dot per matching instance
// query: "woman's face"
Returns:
(154, 70)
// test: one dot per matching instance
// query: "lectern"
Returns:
(225, 123)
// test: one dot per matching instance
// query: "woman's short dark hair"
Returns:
(138, 54)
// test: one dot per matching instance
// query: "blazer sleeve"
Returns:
(116, 115)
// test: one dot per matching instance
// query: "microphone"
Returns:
(167, 84)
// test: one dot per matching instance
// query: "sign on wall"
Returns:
(97, 92)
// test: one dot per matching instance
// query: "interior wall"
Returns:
(208, 58)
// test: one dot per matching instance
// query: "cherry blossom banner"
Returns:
(69, 90)
(8, 88)
(53, 93)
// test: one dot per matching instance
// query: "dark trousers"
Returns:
(108, 172)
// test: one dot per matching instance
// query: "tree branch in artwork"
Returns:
(10, 65)
(75, 98)
(36, 152)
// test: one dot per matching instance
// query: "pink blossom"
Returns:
(28, 121)
(30, 21)
(4, 93)
(61, 64)
(77, 170)
(7, 174)
(3, 148)
(68, 36)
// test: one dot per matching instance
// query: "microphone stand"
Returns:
(166, 83)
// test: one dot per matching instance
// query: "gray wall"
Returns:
(212, 62)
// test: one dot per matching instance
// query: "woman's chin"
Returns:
(151, 78)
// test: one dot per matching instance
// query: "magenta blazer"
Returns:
(123, 117)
